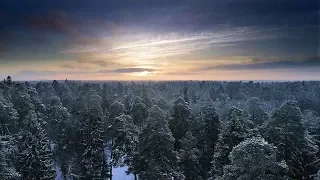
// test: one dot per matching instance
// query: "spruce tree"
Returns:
(158, 160)
(256, 112)
(8, 117)
(7, 169)
(34, 160)
(92, 141)
(139, 113)
(92, 165)
(180, 122)
(125, 143)
(57, 115)
(208, 138)
(286, 131)
(189, 157)
(254, 159)
(235, 130)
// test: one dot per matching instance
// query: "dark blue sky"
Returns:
(155, 39)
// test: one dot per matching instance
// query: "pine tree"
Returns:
(61, 132)
(116, 109)
(236, 129)
(189, 157)
(256, 112)
(9, 80)
(139, 113)
(22, 102)
(8, 117)
(158, 160)
(254, 159)
(35, 100)
(186, 94)
(105, 105)
(180, 122)
(125, 143)
(91, 151)
(295, 145)
(92, 140)
(208, 138)
(56, 117)
(34, 155)
(7, 169)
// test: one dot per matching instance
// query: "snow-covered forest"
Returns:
(192, 130)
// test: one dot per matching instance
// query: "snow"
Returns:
(119, 173)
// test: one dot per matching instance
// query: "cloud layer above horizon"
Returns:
(160, 40)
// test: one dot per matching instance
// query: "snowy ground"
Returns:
(119, 173)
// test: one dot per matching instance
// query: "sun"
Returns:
(144, 73)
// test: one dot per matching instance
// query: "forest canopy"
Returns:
(192, 130)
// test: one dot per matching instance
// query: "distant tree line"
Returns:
(192, 130)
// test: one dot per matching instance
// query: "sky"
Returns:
(160, 39)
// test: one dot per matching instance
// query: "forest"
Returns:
(160, 130)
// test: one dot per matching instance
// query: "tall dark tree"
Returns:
(256, 111)
(180, 121)
(56, 114)
(208, 138)
(139, 112)
(9, 80)
(7, 169)
(236, 129)
(92, 165)
(8, 117)
(189, 157)
(158, 160)
(254, 159)
(34, 160)
(186, 94)
(116, 109)
(295, 145)
(125, 143)
(22, 102)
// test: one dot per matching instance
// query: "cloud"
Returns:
(68, 66)
(133, 70)
(37, 73)
(53, 21)
(152, 46)
(80, 30)
(101, 63)
(260, 64)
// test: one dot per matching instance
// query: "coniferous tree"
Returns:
(180, 122)
(125, 143)
(116, 109)
(22, 102)
(139, 112)
(57, 115)
(7, 169)
(189, 157)
(236, 129)
(286, 131)
(61, 134)
(8, 116)
(9, 80)
(34, 160)
(254, 159)
(158, 160)
(92, 164)
(208, 138)
(186, 94)
(92, 156)
(256, 112)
